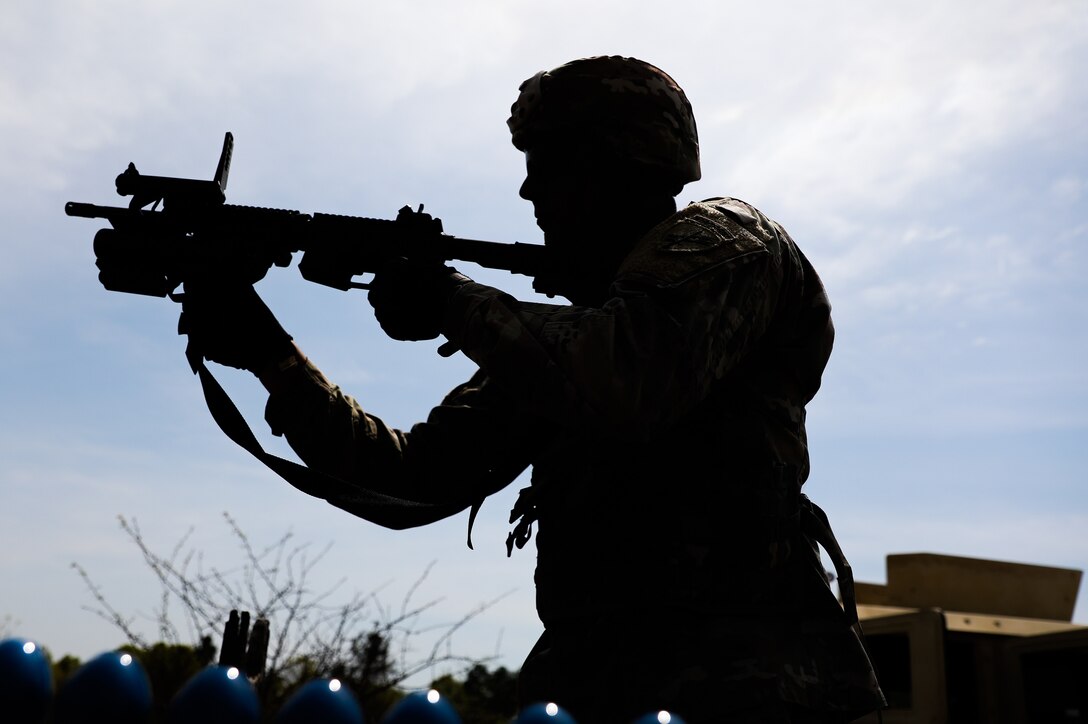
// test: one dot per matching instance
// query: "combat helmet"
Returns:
(634, 111)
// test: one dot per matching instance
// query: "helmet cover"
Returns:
(633, 110)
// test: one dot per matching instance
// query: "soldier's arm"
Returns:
(635, 366)
(468, 447)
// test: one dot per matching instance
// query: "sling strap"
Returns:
(815, 525)
(385, 510)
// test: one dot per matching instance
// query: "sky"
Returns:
(931, 160)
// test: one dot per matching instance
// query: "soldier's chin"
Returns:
(565, 241)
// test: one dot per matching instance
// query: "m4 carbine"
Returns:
(197, 236)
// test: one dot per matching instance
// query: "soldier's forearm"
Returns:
(277, 375)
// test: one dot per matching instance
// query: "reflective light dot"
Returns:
(29, 647)
(126, 659)
(433, 696)
(664, 717)
(232, 673)
(552, 709)
(334, 685)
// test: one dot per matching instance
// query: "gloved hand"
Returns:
(409, 297)
(231, 325)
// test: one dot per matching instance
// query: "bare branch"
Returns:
(108, 612)
(312, 632)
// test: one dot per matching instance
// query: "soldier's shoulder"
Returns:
(703, 236)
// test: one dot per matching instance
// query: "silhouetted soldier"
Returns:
(662, 411)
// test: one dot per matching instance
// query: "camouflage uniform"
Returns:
(666, 431)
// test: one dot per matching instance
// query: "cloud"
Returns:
(1068, 188)
(875, 116)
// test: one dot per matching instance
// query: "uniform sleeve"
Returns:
(689, 303)
(469, 446)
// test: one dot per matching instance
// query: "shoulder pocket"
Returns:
(697, 239)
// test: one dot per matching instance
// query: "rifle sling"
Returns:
(815, 525)
(385, 510)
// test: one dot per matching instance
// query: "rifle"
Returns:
(197, 235)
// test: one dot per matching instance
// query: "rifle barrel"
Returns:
(86, 211)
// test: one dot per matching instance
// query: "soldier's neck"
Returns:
(626, 225)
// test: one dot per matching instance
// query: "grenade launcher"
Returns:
(197, 235)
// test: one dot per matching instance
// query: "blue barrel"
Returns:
(544, 713)
(217, 695)
(26, 682)
(659, 717)
(321, 700)
(422, 707)
(111, 687)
